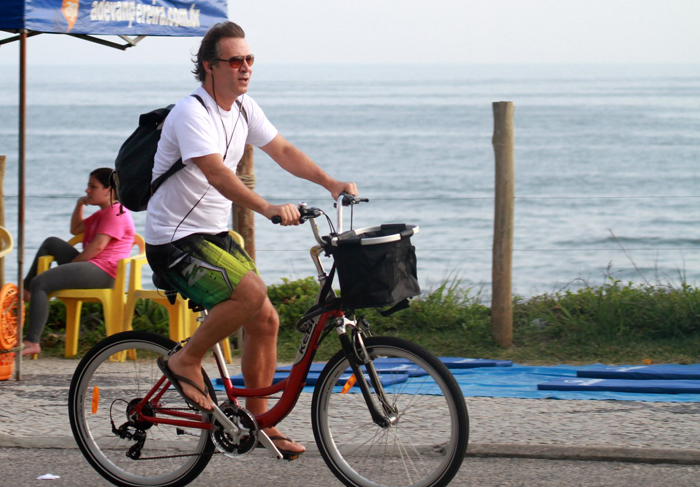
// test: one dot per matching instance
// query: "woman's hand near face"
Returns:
(76, 221)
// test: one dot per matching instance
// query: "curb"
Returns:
(583, 453)
(37, 442)
(476, 450)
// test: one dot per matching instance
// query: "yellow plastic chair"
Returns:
(176, 312)
(182, 320)
(112, 299)
(6, 242)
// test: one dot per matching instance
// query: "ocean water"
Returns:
(606, 161)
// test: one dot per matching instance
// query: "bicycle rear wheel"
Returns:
(424, 447)
(100, 394)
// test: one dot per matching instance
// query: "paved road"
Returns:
(21, 466)
(513, 442)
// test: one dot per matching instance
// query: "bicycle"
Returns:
(135, 430)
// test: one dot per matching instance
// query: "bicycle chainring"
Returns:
(248, 439)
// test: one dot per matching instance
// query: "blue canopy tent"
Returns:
(130, 20)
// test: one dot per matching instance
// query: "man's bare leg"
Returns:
(223, 320)
(248, 307)
(258, 364)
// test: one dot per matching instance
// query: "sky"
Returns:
(421, 32)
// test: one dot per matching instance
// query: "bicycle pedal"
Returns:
(290, 456)
(284, 455)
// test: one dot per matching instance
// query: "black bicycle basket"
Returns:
(376, 266)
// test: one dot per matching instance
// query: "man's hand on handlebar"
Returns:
(340, 187)
(283, 214)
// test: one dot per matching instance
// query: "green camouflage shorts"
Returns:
(208, 268)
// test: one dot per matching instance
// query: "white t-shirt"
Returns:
(193, 131)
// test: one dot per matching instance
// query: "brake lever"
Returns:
(305, 213)
(349, 200)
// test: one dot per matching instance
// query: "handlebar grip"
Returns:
(276, 219)
(347, 199)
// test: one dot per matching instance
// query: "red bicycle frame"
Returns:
(291, 387)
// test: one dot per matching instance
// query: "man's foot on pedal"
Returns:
(190, 384)
(289, 448)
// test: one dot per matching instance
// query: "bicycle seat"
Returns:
(161, 283)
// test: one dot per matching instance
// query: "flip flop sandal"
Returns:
(175, 381)
(286, 454)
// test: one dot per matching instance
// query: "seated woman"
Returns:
(108, 237)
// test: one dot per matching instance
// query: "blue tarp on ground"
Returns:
(312, 379)
(473, 363)
(622, 385)
(521, 381)
(113, 17)
(380, 366)
(635, 372)
(387, 365)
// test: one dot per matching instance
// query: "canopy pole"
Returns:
(130, 42)
(16, 38)
(104, 42)
(20, 202)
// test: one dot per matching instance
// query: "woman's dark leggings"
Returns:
(68, 275)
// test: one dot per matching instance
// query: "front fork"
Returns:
(352, 342)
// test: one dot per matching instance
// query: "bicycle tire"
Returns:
(119, 383)
(425, 447)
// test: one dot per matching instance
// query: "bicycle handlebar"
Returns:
(349, 199)
(308, 213)
(345, 199)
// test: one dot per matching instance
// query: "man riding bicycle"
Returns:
(187, 241)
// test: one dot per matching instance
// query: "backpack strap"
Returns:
(241, 109)
(199, 99)
(178, 164)
(161, 179)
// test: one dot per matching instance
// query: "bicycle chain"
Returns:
(216, 452)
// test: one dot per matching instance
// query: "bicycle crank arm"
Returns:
(235, 432)
(230, 428)
(265, 441)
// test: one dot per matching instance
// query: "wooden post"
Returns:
(501, 275)
(21, 162)
(2, 214)
(243, 218)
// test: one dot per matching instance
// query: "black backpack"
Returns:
(133, 167)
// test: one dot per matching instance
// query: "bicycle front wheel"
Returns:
(427, 441)
(101, 393)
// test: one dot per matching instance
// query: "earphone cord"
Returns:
(228, 143)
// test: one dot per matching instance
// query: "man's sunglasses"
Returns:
(237, 61)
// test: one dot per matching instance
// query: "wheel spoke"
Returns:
(156, 454)
(403, 453)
